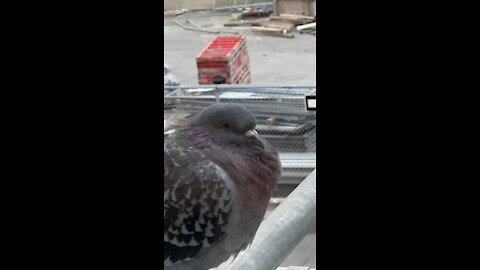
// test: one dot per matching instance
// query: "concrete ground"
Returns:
(273, 60)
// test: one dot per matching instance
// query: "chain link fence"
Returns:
(281, 114)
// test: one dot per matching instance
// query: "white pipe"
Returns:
(306, 26)
(283, 229)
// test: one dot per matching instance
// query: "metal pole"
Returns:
(283, 229)
(210, 31)
(194, 29)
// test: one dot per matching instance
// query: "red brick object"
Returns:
(224, 56)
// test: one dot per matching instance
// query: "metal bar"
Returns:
(190, 21)
(243, 98)
(194, 29)
(283, 229)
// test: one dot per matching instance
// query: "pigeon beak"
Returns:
(255, 139)
(251, 132)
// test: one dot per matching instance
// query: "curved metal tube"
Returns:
(282, 230)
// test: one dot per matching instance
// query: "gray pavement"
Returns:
(273, 60)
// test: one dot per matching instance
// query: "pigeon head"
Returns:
(231, 123)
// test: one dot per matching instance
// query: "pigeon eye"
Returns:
(226, 126)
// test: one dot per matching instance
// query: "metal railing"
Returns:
(281, 231)
(295, 168)
(282, 116)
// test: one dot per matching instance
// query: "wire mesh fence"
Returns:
(281, 114)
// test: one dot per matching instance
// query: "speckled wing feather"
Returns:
(197, 202)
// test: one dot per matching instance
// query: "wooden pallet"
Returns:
(287, 26)
(292, 18)
(250, 22)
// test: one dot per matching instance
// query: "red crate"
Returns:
(207, 77)
(222, 49)
(223, 56)
(245, 78)
(238, 78)
(227, 71)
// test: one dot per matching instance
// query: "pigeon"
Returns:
(218, 179)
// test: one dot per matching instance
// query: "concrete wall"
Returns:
(188, 4)
(301, 7)
(205, 4)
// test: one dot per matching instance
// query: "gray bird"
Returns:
(218, 179)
